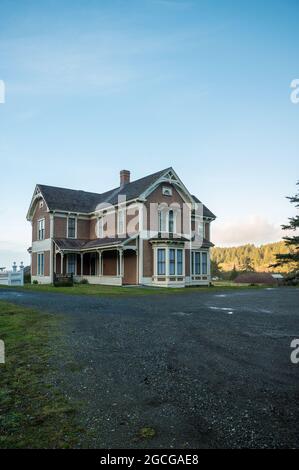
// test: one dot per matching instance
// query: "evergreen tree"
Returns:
(233, 274)
(292, 242)
(247, 266)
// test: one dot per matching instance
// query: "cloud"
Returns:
(254, 229)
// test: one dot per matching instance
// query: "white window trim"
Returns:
(166, 215)
(167, 261)
(201, 273)
(165, 190)
(44, 229)
(76, 226)
(38, 264)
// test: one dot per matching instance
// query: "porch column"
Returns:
(62, 256)
(81, 263)
(55, 255)
(120, 263)
(100, 263)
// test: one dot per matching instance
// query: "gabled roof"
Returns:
(73, 200)
(206, 211)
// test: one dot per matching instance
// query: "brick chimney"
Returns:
(124, 177)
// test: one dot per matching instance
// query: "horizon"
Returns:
(206, 89)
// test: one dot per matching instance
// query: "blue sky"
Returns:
(204, 86)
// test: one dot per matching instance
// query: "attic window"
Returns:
(166, 191)
(41, 204)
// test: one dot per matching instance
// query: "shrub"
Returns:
(84, 281)
(35, 282)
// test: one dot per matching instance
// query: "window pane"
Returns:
(179, 262)
(204, 263)
(162, 221)
(170, 222)
(72, 227)
(197, 263)
(100, 227)
(161, 261)
(172, 262)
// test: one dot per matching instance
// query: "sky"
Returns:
(92, 87)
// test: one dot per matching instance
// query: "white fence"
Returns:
(12, 278)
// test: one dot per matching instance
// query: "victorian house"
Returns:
(150, 231)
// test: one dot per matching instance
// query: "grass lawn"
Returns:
(33, 413)
(100, 290)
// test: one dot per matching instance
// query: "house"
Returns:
(150, 231)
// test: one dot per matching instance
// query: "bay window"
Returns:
(161, 262)
(172, 262)
(199, 263)
(179, 262)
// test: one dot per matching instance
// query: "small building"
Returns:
(259, 278)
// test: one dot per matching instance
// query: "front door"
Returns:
(130, 267)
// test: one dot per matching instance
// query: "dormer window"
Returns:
(166, 191)
(71, 227)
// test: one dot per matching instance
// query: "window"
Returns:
(41, 204)
(179, 262)
(121, 221)
(204, 260)
(40, 264)
(201, 228)
(71, 227)
(172, 262)
(101, 228)
(161, 262)
(166, 191)
(197, 263)
(71, 264)
(41, 229)
(170, 222)
(162, 221)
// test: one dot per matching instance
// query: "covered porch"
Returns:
(114, 264)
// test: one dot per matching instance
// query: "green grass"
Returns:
(33, 413)
(100, 290)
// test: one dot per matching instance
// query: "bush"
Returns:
(84, 281)
(35, 282)
(27, 278)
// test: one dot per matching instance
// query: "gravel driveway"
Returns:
(203, 370)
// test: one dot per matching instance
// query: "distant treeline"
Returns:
(249, 257)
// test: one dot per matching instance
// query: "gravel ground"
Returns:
(201, 370)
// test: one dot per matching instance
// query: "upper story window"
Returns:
(101, 227)
(166, 191)
(162, 221)
(121, 222)
(41, 229)
(41, 204)
(71, 227)
(170, 221)
(201, 228)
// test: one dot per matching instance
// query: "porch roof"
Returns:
(79, 244)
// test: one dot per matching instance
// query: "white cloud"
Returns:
(254, 229)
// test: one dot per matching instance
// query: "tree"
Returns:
(234, 273)
(292, 242)
(247, 266)
(215, 271)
